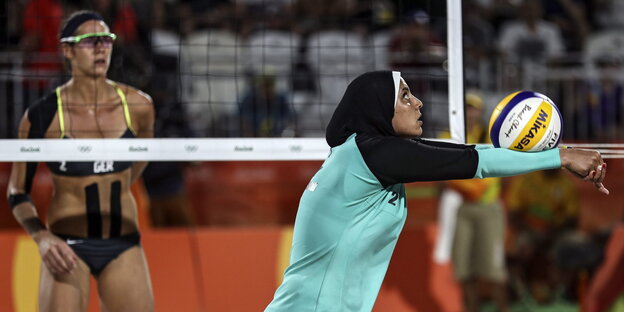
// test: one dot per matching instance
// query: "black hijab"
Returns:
(367, 107)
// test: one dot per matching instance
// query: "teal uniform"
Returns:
(346, 229)
(348, 224)
(354, 208)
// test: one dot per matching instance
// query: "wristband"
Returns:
(16, 199)
(33, 225)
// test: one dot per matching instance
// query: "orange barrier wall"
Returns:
(237, 270)
(597, 210)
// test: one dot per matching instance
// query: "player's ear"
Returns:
(68, 51)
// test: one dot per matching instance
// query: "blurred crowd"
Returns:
(229, 68)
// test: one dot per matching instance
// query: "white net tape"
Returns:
(607, 150)
(203, 149)
(215, 149)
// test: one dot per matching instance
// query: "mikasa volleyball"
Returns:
(526, 121)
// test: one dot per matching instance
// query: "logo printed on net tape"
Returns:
(30, 149)
(137, 148)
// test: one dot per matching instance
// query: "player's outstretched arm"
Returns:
(501, 162)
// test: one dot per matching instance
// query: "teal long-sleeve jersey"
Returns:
(353, 210)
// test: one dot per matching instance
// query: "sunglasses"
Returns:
(91, 40)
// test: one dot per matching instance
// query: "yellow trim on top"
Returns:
(59, 109)
(124, 103)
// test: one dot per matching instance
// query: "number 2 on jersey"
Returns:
(394, 198)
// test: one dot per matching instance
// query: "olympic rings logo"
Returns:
(191, 148)
(85, 148)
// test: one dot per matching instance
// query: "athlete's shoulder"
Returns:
(138, 100)
(369, 143)
(46, 102)
(134, 95)
(40, 114)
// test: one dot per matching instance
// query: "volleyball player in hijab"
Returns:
(353, 209)
(92, 221)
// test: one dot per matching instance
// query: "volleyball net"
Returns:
(247, 70)
(259, 80)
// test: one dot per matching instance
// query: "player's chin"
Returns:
(102, 69)
(418, 131)
(99, 73)
(413, 134)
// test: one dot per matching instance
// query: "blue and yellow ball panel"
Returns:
(526, 121)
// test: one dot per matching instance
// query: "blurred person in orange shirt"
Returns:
(477, 255)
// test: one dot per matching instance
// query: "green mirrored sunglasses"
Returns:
(91, 39)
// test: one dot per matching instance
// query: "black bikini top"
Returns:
(86, 168)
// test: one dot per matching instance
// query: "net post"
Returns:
(455, 70)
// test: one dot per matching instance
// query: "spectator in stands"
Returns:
(41, 21)
(599, 106)
(336, 53)
(601, 113)
(530, 38)
(414, 45)
(10, 25)
(571, 18)
(414, 42)
(122, 18)
(526, 45)
(478, 42)
(129, 62)
(271, 45)
(543, 212)
(314, 15)
(606, 14)
(212, 78)
(165, 181)
(498, 12)
(264, 110)
(165, 186)
(165, 59)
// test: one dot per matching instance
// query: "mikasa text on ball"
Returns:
(526, 121)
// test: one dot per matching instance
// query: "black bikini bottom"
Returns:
(97, 253)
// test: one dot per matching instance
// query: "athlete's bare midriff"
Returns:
(68, 212)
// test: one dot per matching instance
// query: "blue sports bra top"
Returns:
(86, 168)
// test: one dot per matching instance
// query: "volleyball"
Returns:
(526, 121)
